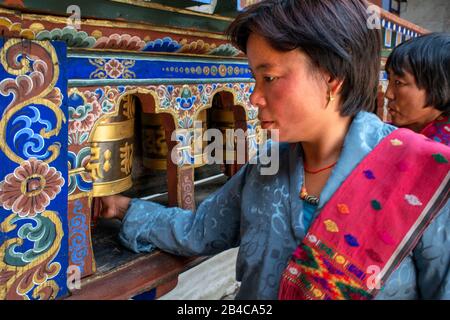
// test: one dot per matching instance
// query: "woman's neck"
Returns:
(325, 149)
(423, 123)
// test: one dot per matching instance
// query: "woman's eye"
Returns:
(398, 83)
(269, 79)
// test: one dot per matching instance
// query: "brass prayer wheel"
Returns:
(112, 143)
(154, 142)
(223, 120)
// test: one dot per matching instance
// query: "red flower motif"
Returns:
(84, 117)
(84, 125)
(114, 68)
(29, 189)
(91, 97)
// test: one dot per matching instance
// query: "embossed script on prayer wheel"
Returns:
(154, 142)
(224, 119)
(112, 144)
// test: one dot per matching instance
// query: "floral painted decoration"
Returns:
(28, 190)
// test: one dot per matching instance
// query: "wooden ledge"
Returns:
(158, 270)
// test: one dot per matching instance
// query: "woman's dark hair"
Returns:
(333, 33)
(427, 58)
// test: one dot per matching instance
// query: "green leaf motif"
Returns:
(440, 158)
(376, 205)
(41, 233)
(73, 38)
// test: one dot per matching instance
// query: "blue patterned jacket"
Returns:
(264, 216)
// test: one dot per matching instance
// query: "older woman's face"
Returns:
(407, 103)
(289, 96)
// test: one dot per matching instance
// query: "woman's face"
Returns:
(407, 103)
(289, 95)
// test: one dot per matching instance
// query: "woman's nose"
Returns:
(389, 94)
(257, 98)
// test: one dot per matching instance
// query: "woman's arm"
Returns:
(214, 227)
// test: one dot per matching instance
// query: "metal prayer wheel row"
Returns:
(154, 137)
(113, 144)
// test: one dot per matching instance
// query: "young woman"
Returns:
(347, 216)
(419, 86)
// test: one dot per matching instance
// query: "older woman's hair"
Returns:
(334, 34)
(427, 58)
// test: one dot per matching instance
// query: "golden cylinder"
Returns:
(112, 151)
(154, 142)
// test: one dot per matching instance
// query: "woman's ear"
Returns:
(334, 88)
(334, 85)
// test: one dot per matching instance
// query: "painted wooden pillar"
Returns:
(84, 110)
(185, 187)
(33, 171)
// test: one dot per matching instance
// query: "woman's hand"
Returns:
(114, 206)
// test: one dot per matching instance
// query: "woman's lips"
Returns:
(392, 110)
(266, 124)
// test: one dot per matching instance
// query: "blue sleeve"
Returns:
(432, 258)
(214, 227)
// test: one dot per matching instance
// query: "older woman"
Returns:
(346, 216)
(419, 86)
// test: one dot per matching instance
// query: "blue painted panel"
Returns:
(34, 172)
(133, 69)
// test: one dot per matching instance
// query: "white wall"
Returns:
(433, 15)
(213, 279)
